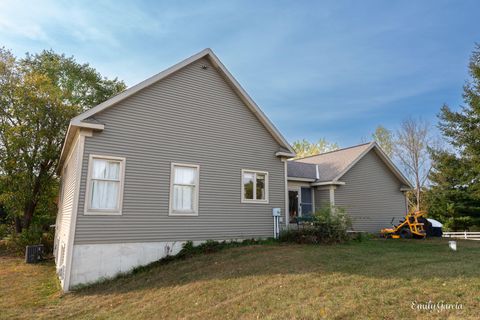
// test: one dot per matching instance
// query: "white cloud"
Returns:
(66, 21)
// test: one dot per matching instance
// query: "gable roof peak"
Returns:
(335, 164)
(336, 150)
(81, 120)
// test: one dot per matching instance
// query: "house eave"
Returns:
(206, 53)
(73, 128)
(285, 154)
(300, 179)
(328, 183)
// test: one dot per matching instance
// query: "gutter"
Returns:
(329, 183)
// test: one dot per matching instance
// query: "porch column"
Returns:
(332, 195)
(287, 213)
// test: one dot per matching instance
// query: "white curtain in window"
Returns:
(104, 194)
(185, 175)
(105, 184)
(183, 197)
(184, 184)
(104, 169)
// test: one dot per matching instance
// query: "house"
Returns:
(184, 155)
(361, 179)
(187, 155)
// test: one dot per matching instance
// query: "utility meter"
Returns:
(276, 212)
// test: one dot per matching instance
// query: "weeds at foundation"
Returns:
(188, 250)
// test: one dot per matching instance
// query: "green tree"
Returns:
(455, 178)
(40, 93)
(384, 138)
(305, 148)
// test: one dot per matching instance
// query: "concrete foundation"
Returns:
(93, 262)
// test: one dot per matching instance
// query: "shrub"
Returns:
(34, 235)
(361, 236)
(4, 230)
(459, 223)
(329, 225)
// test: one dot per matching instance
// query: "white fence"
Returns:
(462, 235)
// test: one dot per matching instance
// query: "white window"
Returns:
(184, 180)
(105, 185)
(254, 186)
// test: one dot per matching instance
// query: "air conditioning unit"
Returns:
(34, 254)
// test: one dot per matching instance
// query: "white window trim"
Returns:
(265, 201)
(104, 212)
(171, 211)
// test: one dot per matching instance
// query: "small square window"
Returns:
(254, 186)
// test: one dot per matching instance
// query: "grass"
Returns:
(370, 279)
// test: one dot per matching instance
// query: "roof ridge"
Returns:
(337, 150)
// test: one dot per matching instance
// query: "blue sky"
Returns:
(333, 69)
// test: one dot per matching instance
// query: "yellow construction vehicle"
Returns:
(412, 227)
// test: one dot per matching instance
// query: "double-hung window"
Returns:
(254, 186)
(105, 185)
(184, 183)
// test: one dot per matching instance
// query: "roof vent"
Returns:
(204, 67)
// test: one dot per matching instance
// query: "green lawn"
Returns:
(370, 279)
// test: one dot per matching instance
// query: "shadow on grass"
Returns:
(392, 259)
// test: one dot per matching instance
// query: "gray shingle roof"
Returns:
(301, 170)
(330, 164)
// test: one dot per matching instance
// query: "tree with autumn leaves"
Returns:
(39, 94)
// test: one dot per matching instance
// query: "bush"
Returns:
(329, 225)
(458, 223)
(17, 242)
(5, 230)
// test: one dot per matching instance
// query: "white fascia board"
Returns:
(80, 124)
(393, 167)
(142, 85)
(251, 104)
(328, 183)
(285, 154)
(300, 179)
(219, 66)
(354, 162)
(73, 127)
(382, 156)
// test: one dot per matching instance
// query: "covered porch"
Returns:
(305, 197)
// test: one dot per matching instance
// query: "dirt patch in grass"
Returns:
(371, 279)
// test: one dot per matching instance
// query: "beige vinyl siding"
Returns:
(64, 219)
(322, 197)
(193, 117)
(371, 194)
